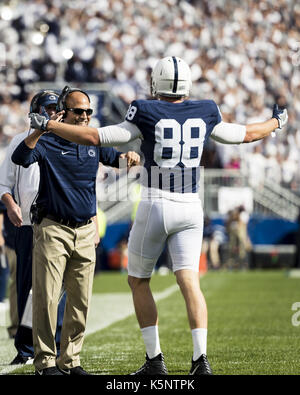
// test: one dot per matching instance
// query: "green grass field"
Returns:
(250, 326)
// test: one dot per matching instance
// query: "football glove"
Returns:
(281, 115)
(38, 121)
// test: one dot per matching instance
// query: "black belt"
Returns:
(67, 222)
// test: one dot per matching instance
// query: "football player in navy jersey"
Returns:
(173, 130)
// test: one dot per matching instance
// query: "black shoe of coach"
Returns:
(77, 371)
(53, 371)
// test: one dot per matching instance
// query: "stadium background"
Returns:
(244, 55)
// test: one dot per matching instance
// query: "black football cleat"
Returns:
(154, 366)
(201, 366)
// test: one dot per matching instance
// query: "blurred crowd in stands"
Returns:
(244, 55)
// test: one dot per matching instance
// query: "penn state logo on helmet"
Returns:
(48, 98)
(171, 77)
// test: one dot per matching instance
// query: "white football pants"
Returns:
(180, 224)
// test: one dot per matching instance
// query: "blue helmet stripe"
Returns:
(175, 74)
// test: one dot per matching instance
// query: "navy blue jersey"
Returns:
(67, 174)
(173, 138)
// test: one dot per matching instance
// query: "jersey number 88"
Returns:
(176, 143)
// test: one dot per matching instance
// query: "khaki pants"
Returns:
(61, 255)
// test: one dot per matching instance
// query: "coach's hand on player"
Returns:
(281, 115)
(133, 159)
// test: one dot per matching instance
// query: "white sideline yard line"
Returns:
(105, 310)
(294, 273)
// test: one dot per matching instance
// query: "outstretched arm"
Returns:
(107, 136)
(230, 133)
(84, 135)
(258, 131)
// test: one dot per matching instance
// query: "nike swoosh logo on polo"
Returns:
(65, 152)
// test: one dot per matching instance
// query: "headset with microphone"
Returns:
(41, 98)
(61, 102)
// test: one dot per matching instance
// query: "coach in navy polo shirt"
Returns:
(64, 247)
(18, 189)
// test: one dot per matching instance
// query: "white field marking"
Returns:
(105, 310)
(294, 273)
(7, 352)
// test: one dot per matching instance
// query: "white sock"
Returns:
(151, 340)
(199, 342)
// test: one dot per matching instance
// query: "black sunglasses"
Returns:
(80, 111)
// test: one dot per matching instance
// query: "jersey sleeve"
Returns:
(122, 133)
(229, 133)
(212, 116)
(132, 114)
(219, 114)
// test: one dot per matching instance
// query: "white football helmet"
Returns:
(171, 77)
